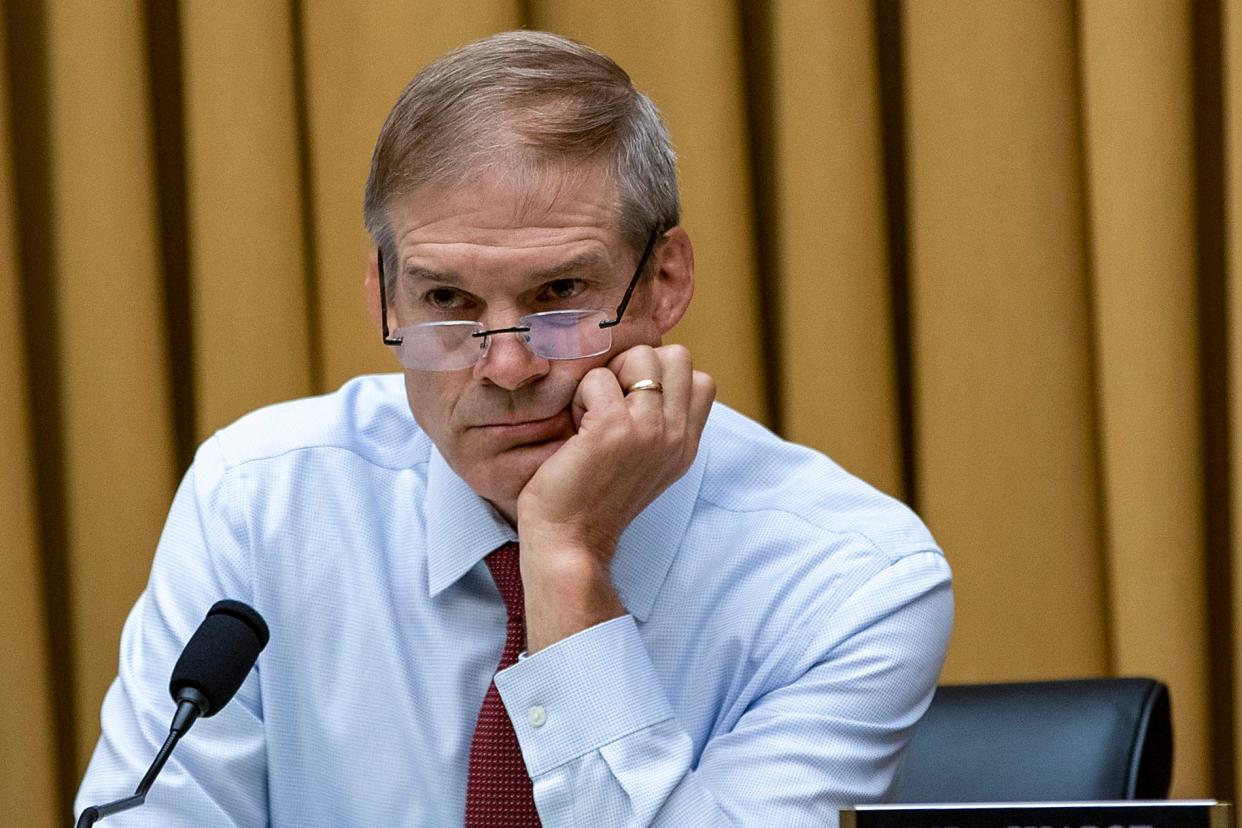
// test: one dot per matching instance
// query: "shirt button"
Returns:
(536, 716)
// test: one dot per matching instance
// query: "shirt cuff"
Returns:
(581, 693)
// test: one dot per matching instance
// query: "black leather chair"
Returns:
(1086, 739)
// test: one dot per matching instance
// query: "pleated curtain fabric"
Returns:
(498, 789)
(984, 255)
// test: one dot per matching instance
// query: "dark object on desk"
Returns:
(1086, 739)
(1203, 813)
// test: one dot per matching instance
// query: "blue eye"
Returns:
(562, 289)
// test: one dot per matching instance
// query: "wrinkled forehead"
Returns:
(509, 196)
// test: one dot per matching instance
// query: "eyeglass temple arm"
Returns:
(629, 291)
(388, 340)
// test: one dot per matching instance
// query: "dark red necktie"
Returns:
(498, 788)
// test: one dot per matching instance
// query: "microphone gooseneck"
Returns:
(211, 669)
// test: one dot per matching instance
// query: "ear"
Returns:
(674, 279)
(370, 287)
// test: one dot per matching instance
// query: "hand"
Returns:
(627, 450)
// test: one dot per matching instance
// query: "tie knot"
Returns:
(507, 573)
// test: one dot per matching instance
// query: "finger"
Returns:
(675, 396)
(635, 365)
(597, 390)
(703, 393)
(676, 372)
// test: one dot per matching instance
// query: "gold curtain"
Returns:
(984, 254)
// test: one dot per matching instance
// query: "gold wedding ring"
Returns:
(645, 385)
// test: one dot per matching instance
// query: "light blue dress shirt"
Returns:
(786, 628)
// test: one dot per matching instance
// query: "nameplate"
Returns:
(1186, 813)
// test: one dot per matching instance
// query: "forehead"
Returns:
(509, 210)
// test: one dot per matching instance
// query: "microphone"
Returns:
(209, 672)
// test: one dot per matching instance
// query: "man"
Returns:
(569, 588)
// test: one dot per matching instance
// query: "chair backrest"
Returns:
(1086, 739)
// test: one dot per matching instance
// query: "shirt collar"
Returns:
(462, 528)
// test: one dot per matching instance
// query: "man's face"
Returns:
(494, 249)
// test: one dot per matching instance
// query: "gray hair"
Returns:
(528, 101)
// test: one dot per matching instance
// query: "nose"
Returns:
(509, 363)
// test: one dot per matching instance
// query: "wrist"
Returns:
(565, 545)
(555, 533)
(564, 571)
(565, 594)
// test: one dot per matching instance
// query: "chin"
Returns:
(509, 472)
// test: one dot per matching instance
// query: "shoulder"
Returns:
(367, 419)
(752, 472)
(797, 558)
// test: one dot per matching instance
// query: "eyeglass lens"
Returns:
(450, 346)
(441, 346)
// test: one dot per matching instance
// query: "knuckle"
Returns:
(596, 374)
(642, 351)
(678, 352)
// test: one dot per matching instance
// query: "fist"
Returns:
(629, 447)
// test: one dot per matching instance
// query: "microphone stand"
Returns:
(190, 705)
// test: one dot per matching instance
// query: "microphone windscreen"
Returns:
(221, 652)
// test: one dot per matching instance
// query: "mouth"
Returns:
(521, 432)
